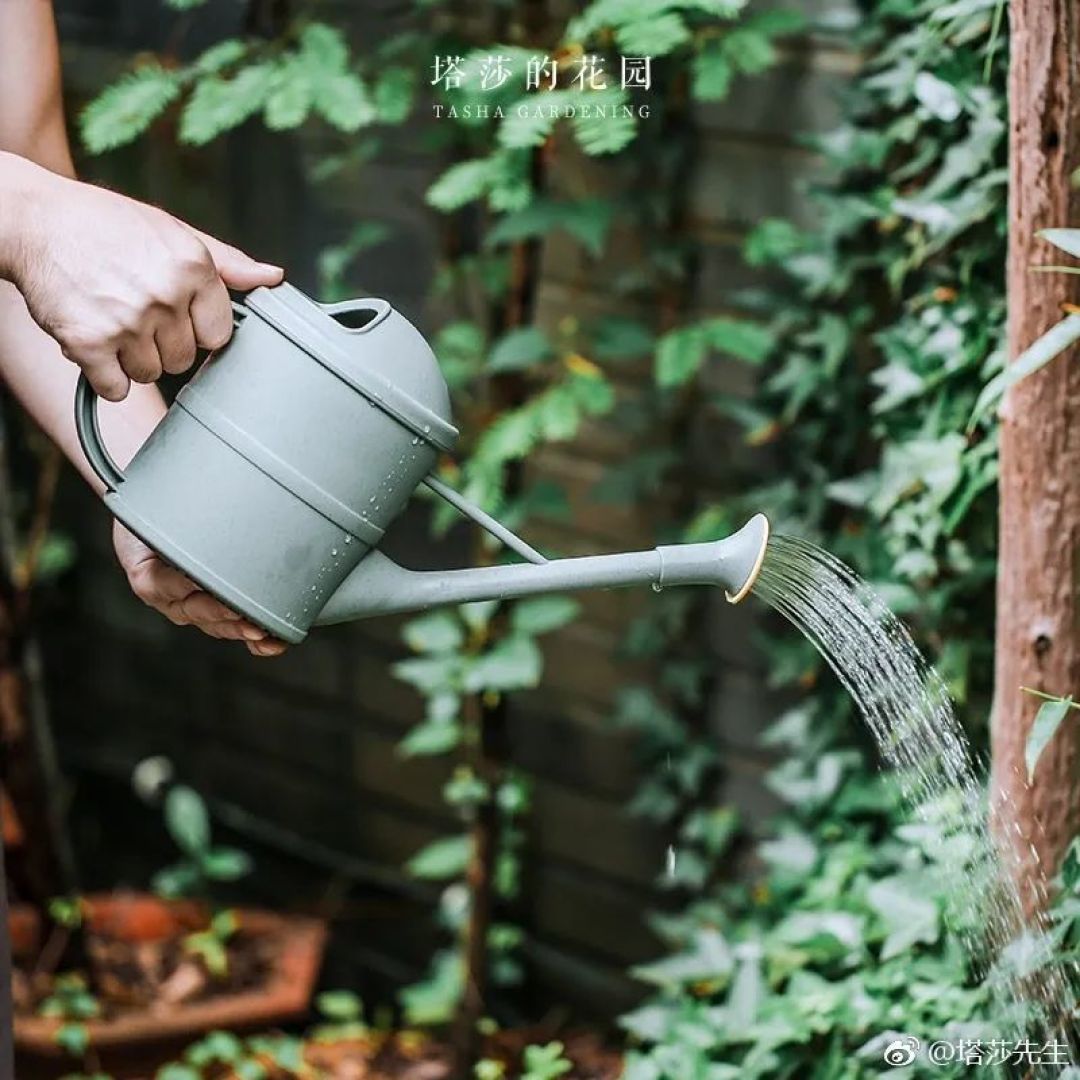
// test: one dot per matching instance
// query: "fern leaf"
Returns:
(126, 109)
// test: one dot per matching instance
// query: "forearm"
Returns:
(32, 139)
(36, 372)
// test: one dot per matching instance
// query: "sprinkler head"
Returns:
(747, 555)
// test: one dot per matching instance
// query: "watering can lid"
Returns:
(413, 391)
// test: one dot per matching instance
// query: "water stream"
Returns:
(907, 710)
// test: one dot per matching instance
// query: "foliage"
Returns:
(202, 864)
(888, 328)
(870, 363)
(839, 947)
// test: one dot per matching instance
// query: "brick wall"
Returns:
(298, 754)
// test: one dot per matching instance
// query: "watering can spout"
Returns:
(378, 586)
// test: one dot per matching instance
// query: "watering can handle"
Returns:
(89, 432)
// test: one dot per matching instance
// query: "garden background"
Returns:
(783, 290)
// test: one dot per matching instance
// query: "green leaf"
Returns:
(442, 859)
(73, 1039)
(658, 36)
(1066, 239)
(291, 96)
(938, 97)
(344, 102)
(744, 340)
(393, 94)
(226, 864)
(342, 1005)
(437, 632)
(709, 958)
(604, 128)
(679, 355)
(430, 738)
(184, 5)
(616, 337)
(513, 664)
(222, 55)
(908, 915)
(1035, 356)
(460, 184)
(187, 820)
(712, 73)
(218, 105)
(1048, 719)
(176, 1071)
(542, 614)
(519, 349)
(126, 109)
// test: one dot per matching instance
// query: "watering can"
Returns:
(272, 478)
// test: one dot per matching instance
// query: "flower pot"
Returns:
(131, 1042)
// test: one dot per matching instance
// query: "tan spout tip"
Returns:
(760, 524)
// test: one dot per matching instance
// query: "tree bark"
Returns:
(1038, 609)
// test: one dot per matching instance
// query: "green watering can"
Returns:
(275, 473)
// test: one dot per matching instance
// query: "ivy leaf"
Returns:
(679, 355)
(430, 739)
(514, 663)
(906, 913)
(519, 349)
(438, 632)
(938, 97)
(1048, 719)
(126, 109)
(616, 337)
(709, 958)
(442, 859)
(1035, 356)
(542, 614)
(744, 340)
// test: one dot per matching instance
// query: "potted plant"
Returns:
(160, 968)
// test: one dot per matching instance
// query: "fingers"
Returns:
(175, 341)
(106, 377)
(140, 359)
(212, 315)
(183, 603)
(237, 270)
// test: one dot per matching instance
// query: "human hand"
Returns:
(127, 290)
(181, 601)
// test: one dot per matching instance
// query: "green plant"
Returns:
(211, 945)
(878, 350)
(545, 1062)
(202, 864)
(254, 1058)
(343, 1015)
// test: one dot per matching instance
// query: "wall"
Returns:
(298, 754)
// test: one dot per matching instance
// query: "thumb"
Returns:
(237, 270)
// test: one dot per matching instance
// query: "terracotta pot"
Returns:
(153, 1036)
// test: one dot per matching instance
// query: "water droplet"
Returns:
(427, 429)
(348, 539)
(416, 440)
(333, 552)
(657, 587)
(672, 857)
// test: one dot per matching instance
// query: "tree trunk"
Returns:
(1038, 609)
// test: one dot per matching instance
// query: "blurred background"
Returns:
(652, 325)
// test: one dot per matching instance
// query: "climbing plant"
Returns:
(889, 325)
